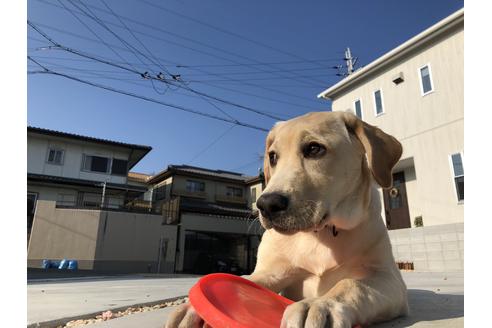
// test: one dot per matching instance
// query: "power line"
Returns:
(195, 41)
(130, 47)
(256, 161)
(262, 87)
(126, 44)
(96, 74)
(134, 36)
(57, 45)
(201, 152)
(252, 79)
(154, 28)
(184, 109)
(265, 63)
(192, 66)
(224, 31)
(242, 92)
(94, 33)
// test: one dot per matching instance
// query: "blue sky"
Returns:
(272, 56)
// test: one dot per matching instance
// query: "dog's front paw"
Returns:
(316, 313)
(184, 316)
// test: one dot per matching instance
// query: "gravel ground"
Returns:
(108, 315)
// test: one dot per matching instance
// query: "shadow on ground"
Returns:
(435, 310)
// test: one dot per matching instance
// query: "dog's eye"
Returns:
(273, 158)
(313, 149)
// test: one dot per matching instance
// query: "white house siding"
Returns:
(429, 127)
(37, 152)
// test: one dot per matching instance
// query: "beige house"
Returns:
(214, 211)
(415, 93)
(82, 204)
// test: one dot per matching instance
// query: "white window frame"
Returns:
(451, 168)
(419, 74)
(374, 102)
(55, 149)
(108, 171)
(361, 108)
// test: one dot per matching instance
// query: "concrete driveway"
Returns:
(58, 300)
(436, 299)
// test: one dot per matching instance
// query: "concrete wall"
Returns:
(130, 242)
(198, 222)
(435, 248)
(63, 233)
(37, 154)
(104, 241)
(429, 127)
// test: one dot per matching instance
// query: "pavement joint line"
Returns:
(63, 321)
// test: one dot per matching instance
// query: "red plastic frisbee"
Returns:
(228, 301)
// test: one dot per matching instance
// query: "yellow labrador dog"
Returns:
(325, 244)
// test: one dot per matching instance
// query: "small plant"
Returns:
(418, 221)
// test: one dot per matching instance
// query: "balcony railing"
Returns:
(231, 199)
(134, 206)
(187, 193)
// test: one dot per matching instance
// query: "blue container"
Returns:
(63, 264)
(54, 264)
(73, 265)
(46, 264)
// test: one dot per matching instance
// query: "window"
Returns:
(55, 156)
(458, 175)
(159, 193)
(426, 80)
(95, 164)
(378, 102)
(234, 192)
(253, 195)
(358, 108)
(119, 167)
(195, 186)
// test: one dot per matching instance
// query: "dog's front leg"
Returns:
(350, 302)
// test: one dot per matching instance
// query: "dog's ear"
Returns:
(383, 151)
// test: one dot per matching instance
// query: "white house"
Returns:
(415, 93)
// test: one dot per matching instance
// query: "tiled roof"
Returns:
(85, 138)
(194, 170)
(80, 182)
(217, 173)
(138, 177)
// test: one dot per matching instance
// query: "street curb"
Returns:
(63, 321)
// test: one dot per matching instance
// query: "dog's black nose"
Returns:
(271, 203)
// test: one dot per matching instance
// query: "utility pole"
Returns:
(349, 64)
(349, 61)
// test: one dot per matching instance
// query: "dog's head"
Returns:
(317, 174)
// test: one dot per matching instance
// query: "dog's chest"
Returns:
(313, 256)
